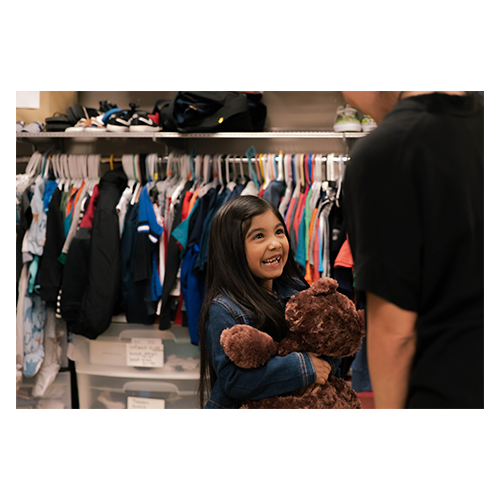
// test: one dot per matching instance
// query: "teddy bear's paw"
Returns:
(247, 347)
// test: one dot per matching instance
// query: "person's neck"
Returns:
(410, 93)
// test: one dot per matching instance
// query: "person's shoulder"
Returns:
(389, 134)
(380, 150)
(223, 303)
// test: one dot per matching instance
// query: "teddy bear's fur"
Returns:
(321, 320)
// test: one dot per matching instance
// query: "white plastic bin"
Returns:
(57, 396)
(110, 348)
(118, 393)
(105, 380)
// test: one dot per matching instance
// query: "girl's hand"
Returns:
(312, 389)
(322, 368)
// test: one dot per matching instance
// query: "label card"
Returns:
(147, 353)
(145, 404)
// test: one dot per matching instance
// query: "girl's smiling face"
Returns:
(266, 248)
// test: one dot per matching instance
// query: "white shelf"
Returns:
(306, 134)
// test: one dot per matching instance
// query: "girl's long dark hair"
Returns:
(228, 274)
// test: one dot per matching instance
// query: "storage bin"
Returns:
(105, 381)
(110, 347)
(57, 396)
(109, 392)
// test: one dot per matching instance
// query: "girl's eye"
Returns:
(258, 236)
(280, 231)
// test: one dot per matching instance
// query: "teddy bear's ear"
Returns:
(324, 286)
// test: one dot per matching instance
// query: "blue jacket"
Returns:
(279, 376)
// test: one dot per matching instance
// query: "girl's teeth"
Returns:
(272, 261)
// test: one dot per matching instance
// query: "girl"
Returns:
(251, 274)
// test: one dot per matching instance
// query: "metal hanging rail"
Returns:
(313, 134)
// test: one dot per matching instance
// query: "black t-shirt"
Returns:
(414, 198)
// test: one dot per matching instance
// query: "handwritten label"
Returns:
(147, 353)
(145, 404)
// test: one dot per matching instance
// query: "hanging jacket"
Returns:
(146, 251)
(103, 289)
(76, 267)
(51, 270)
(132, 293)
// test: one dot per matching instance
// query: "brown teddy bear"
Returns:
(322, 321)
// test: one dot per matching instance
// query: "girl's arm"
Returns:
(280, 375)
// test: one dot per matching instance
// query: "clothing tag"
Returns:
(145, 353)
(145, 404)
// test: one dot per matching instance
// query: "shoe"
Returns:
(76, 112)
(368, 123)
(33, 128)
(144, 122)
(80, 126)
(105, 106)
(347, 120)
(117, 121)
(96, 125)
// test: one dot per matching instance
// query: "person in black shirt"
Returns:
(414, 208)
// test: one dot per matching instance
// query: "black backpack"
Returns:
(213, 112)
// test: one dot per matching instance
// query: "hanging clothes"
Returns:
(76, 267)
(192, 279)
(51, 269)
(146, 274)
(36, 239)
(173, 258)
(132, 300)
(102, 291)
(24, 218)
(121, 221)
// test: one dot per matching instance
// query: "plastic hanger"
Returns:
(264, 170)
(279, 166)
(128, 169)
(206, 169)
(218, 161)
(241, 178)
(340, 179)
(231, 179)
(260, 169)
(307, 176)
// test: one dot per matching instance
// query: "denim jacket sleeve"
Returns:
(280, 375)
(334, 363)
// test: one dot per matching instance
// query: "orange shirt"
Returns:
(344, 257)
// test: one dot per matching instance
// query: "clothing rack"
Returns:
(161, 159)
(261, 167)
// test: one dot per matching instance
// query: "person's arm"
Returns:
(278, 376)
(391, 343)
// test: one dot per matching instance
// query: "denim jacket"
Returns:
(279, 376)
